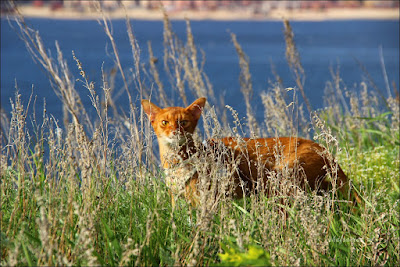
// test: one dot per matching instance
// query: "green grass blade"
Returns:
(27, 256)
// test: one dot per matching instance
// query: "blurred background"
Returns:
(244, 6)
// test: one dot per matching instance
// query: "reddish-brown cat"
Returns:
(174, 127)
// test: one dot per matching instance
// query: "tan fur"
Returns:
(174, 135)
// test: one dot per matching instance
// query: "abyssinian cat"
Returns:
(174, 127)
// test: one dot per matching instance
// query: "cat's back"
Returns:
(290, 147)
(267, 144)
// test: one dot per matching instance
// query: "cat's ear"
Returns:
(150, 109)
(197, 107)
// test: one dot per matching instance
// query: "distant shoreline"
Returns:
(218, 15)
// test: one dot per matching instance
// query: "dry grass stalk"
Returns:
(174, 59)
(293, 58)
(161, 95)
(246, 87)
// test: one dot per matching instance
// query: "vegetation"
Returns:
(90, 192)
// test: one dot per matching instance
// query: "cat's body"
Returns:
(248, 161)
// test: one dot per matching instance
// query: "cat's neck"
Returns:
(174, 155)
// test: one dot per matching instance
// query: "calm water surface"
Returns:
(321, 45)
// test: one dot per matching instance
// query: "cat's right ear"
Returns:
(150, 109)
(197, 107)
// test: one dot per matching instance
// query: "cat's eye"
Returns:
(164, 123)
(183, 123)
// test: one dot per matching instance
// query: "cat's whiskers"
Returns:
(174, 141)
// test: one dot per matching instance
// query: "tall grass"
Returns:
(91, 192)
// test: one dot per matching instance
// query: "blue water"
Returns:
(321, 45)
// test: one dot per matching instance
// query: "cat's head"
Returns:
(173, 125)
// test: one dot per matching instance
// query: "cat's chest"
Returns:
(179, 174)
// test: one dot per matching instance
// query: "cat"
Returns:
(242, 158)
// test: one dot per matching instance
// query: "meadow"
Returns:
(85, 191)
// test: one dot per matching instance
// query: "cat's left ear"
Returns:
(197, 107)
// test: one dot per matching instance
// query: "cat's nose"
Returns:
(177, 132)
